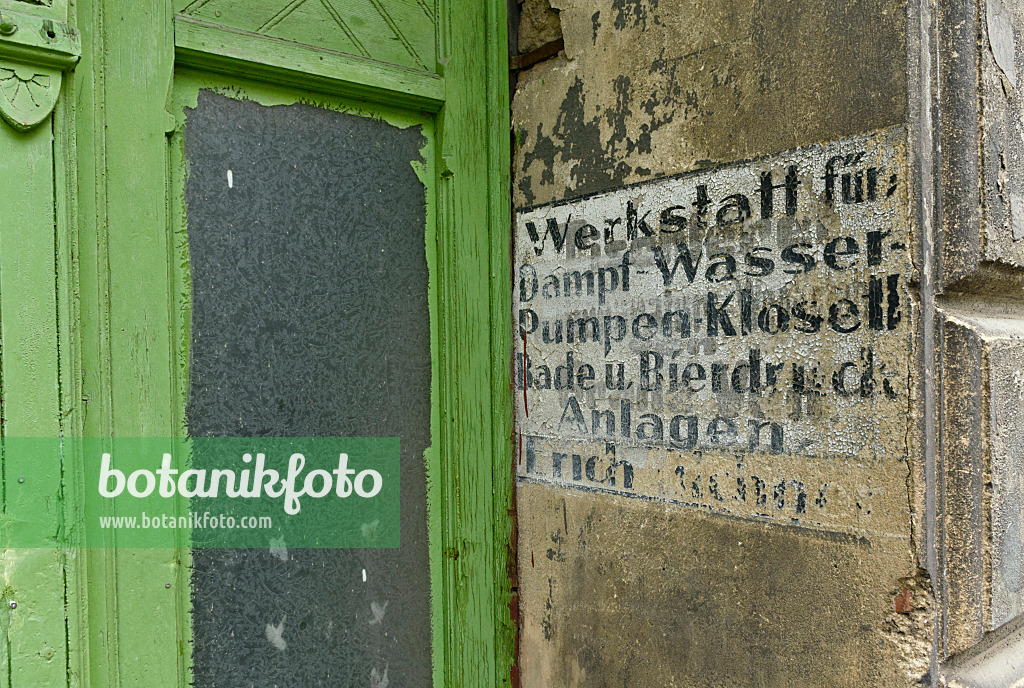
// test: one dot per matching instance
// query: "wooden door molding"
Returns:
(126, 626)
(34, 54)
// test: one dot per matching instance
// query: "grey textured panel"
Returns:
(309, 318)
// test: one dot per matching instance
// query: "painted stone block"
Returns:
(714, 380)
(734, 341)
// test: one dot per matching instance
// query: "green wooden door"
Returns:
(96, 300)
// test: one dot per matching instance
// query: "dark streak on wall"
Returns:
(744, 78)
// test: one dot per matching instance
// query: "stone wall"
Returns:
(768, 352)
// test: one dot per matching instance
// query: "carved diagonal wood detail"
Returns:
(399, 32)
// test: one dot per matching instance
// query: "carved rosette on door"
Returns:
(34, 54)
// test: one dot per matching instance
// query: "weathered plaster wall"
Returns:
(647, 88)
(625, 593)
(642, 560)
(661, 590)
(751, 396)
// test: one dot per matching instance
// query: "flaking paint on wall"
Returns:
(734, 340)
(673, 591)
(646, 89)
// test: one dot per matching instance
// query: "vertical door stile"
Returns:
(126, 322)
(33, 593)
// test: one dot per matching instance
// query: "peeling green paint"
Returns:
(94, 318)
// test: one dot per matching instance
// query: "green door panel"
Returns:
(95, 314)
(33, 579)
(400, 32)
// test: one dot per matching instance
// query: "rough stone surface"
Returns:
(625, 593)
(665, 572)
(538, 25)
(1006, 435)
(981, 144)
(1002, 91)
(995, 386)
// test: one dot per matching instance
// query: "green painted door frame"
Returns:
(90, 319)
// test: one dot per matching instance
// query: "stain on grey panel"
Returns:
(309, 318)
